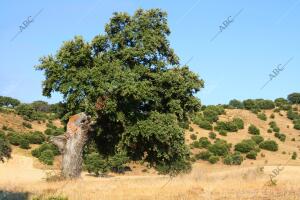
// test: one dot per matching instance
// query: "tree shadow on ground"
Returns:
(6, 195)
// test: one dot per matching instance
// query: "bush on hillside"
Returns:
(280, 136)
(193, 137)
(35, 137)
(269, 145)
(118, 162)
(47, 157)
(257, 139)
(262, 116)
(14, 138)
(5, 149)
(251, 155)
(204, 155)
(212, 135)
(233, 159)
(220, 148)
(294, 98)
(253, 130)
(45, 146)
(95, 163)
(294, 155)
(204, 124)
(24, 143)
(213, 159)
(236, 104)
(223, 132)
(204, 142)
(245, 146)
(238, 122)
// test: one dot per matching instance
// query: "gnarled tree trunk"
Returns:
(71, 144)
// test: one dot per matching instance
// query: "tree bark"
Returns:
(71, 144)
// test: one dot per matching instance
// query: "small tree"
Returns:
(96, 164)
(5, 149)
(253, 130)
(236, 104)
(269, 145)
(294, 98)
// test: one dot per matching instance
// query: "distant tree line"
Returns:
(256, 104)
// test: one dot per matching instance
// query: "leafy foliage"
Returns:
(5, 149)
(233, 159)
(269, 145)
(159, 136)
(43, 151)
(121, 78)
(47, 157)
(294, 98)
(220, 148)
(96, 164)
(8, 102)
(257, 139)
(245, 146)
(234, 103)
(253, 130)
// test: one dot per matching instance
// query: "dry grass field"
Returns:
(251, 180)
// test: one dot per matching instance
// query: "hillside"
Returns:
(26, 174)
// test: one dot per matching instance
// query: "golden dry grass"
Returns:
(218, 182)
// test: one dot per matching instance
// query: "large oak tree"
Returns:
(130, 81)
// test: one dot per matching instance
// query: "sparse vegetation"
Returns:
(253, 130)
(269, 145)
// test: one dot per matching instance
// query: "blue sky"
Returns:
(236, 64)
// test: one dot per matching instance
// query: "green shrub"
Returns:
(253, 130)
(195, 144)
(252, 155)
(245, 146)
(238, 122)
(236, 104)
(297, 126)
(24, 143)
(204, 124)
(257, 139)
(294, 156)
(191, 129)
(47, 157)
(223, 132)
(280, 136)
(262, 116)
(213, 159)
(212, 135)
(276, 129)
(204, 142)
(14, 138)
(193, 137)
(211, 113)
(269, 145)
(45, 146)
(27, 125)
(233, 159)
(117, 162)
(54, 131)
(160, 137)
(272, 116)
(270, 130)
(292, 115)
(5, 149)
(95, 163)
(227, 126)
(204, 155)
(35, 137)
(219, 148)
